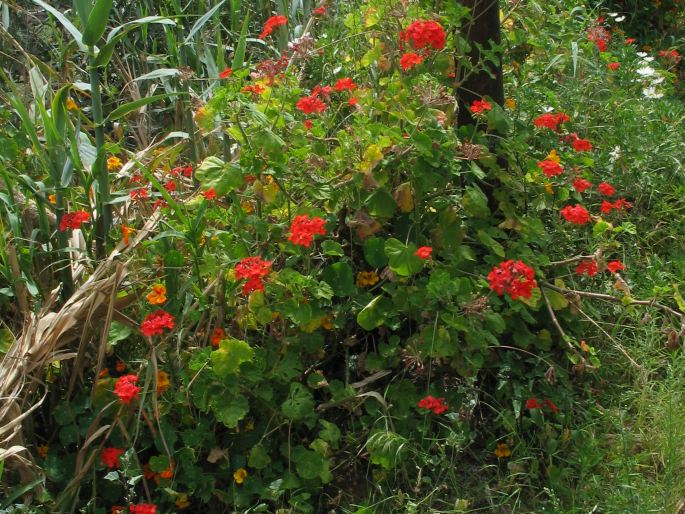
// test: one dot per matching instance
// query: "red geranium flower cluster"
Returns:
(424, 252)
(345, 84)
(143, 508)
(615, 266)
(588, 268)
(534, 403)
(186, 171)
(600, 36)
(254, 269)
(311, 104)
(138, 194)
(110, 457)
(613, 66)
(671, 55)
(409, 60)
(226, 73)
(155, 323)
(271, 24)
(550, 168)
(551, 121)
(303, 228)
(126, 388)
(73, 220)
(580, 184)
(515, 278)
(577, 215)
(580, 144)
(479, 106)
(424, 34)
(437, 405)
(606, 189)
(620, 204)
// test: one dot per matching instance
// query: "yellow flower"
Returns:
(239, 475)
(366, 278)
(43, 451)
(327, 323)
(52, 199)
(553, 156)
(502, 451)
(247, 207)
(158, 295)
(249, 426)
(548, 188)
(113, 163)
(182, 501)
(163, 382)
(71, 105)
(510, 103)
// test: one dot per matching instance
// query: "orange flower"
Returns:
(163, 382)
(126, 231)
(158, 295)
(502, 451)
(71, 105)
(217, 335)
(43, 450)
(52, 199)
(113, 163)
(120, 366)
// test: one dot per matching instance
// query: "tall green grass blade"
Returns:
(118, 33)
(239, 56)
(235, 14)
(201, 22)
(97, 22)
(83, 8)
(75, 33)
(129, 107)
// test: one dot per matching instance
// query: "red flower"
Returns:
(606, 207)
(424, 252)
(118, 509)
(320, 11)
(630, 40)
(580, 184)
(409, 60)
(158, 203)
(308, 124)
(73, 220)
(550, 168)
(582, 145)
(254, 269)
(515, 278)
(587, 267)
(551, 121)
(345, 84)
(600, 36)
(254, 89)
(110, 457)
(226, 73)
(622, 203)
(271, 24)
(437, 405)
(577, 215)
(615, 266)
(479, 106)
(324, 91)
(550, 404)
(126, 389)
(353, 101)
(143, 508)
(138, 194)
(210, 194)
(310, 104)
(613, 66)
(532, 403)
(170, 186)
(606, 189)
(425, 34)
(155, 323)
(303, 228)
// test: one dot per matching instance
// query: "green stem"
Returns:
(100, 172)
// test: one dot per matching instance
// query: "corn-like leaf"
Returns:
(118, 33)
(75, 33)
(239, 56)
(97, 22)
(83, 8)
(201, 22)
(129, 107)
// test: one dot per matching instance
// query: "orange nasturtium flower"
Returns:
(217, 335)
(239, 475)
(163, 382)
(43, 450)
(182, 502)
(126, 231)
(71, 105)
(502, 451)
(52, 199)
(113, 163)
(158, 295)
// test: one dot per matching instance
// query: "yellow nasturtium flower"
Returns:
(239, 475)
(113, 163)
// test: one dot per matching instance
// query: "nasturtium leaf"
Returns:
(258, 457)
(226, 360)
(159, 463)
(215, 173)
(118, 332)
(401, 257)
(475, 203)
(340, 277)
(329, 247)
(381, 204)
(375, 313)
(330, 432)
(309, 464)
(374, 252)
(490, 243)
(230, 410)
(557, 300)
(300, 403)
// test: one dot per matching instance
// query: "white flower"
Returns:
(620, 18)
(646, 71)
(642, 54)
(647, 59)
(651, 92)
(615, 154)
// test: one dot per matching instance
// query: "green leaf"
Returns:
(300, 403)
(309, 464)
(475, 203)
(557, 300)
(375, 313)
(223, 177)
(678, 298)
(386, 449)
(201, 22)
(258, 457)
(333, 248)
(226, 360)
(129, 107)
(401, 258)
(381, 204)
(340, 277)
(239, 56)
(159, 463)
(83, 8)
(490, 243)
(78, 37)
(118, 332)
(230, 411)
(117, 34)
(97, 22)
(374, 252)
